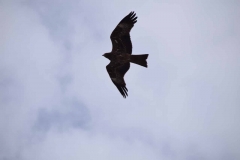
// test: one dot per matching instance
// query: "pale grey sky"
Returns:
(58, 102)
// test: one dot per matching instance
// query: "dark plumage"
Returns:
(120, 56)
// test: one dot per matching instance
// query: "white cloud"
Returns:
(57, 101)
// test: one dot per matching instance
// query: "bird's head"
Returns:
(107, 55)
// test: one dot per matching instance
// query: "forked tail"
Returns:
(139, 59)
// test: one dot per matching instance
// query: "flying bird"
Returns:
(120, 56)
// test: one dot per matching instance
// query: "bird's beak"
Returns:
(103, 55)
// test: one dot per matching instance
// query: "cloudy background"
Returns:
(58, 102)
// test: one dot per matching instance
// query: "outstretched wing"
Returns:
(120, 36)
(116, 73)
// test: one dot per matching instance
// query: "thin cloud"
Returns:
(57, 101)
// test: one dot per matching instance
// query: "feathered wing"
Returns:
(116, 73)
(120, 36)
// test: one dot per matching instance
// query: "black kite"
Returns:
(120, 56)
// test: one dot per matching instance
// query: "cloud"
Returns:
(30, 63)
(57, 101)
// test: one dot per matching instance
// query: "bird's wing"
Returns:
(120, 36)
(116, 73)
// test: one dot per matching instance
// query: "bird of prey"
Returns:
(120, 56)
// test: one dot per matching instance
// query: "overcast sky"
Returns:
(57, 101)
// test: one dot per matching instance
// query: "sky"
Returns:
(58, 102)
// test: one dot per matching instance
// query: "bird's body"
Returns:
(120, 57)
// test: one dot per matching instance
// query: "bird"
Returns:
(121, 55)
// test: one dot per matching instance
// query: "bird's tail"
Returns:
(139, 59)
